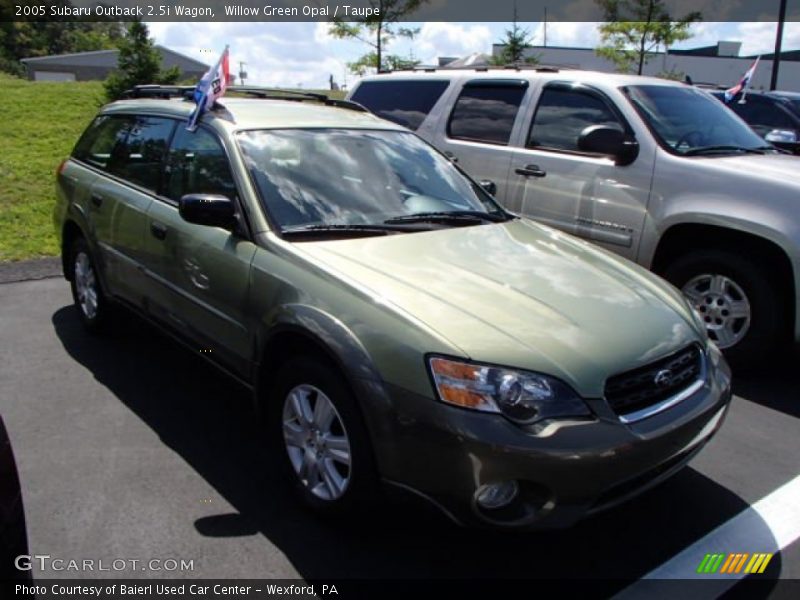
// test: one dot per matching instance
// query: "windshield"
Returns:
(356, 178)
(687, 120)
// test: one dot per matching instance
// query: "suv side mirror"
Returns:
(213, 210)
(599, 139)
(782, 136)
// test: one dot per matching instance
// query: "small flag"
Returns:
(744, 83)
(210, 88)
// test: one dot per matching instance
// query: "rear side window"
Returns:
(98, 142)
(139, 159)
(485, 112)
(563, 114)
(404, 102)
(197, 164)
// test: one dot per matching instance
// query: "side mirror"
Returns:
(212, 210)
(489, 186)
(782, 136)
(599, 139)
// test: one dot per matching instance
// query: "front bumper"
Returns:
(565, 471)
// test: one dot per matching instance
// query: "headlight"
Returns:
(519, 395)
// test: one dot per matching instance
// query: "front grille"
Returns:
(638, 389)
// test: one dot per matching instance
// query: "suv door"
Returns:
(201, 274)
(129, 150)
(580, 193)
(479, 129)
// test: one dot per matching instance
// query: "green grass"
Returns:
(39, 124)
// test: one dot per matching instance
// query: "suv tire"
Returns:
(318, 437)
(87, 293)
(719, 284)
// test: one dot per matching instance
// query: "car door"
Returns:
(201, 274)
(478, 131)
(585, 194)
(128, 150)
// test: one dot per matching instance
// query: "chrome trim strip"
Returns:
(660, 407)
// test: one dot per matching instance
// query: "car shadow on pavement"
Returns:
(208, 420)
(776, 386)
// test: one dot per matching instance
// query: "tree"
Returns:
(630, 43)
(516, 42)
(377, 31)
(139, 62)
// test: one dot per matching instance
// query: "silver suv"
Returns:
(656, 171)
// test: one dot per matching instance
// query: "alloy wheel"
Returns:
(316, 442)
(723, 306)
(86, 285)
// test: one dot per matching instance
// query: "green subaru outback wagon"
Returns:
(398, 328)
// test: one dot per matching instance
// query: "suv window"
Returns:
(485, 112)
(563, 114)
(98, 142)
(139, 159)
(197, 164)
(406, 103)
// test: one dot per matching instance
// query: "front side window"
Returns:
(197, 164)
(688, 121)
(406, 103)
(485, 112)
(139, 159)
(562, 114)
(98, 143)
(309, 177)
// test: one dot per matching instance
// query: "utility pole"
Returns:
(776, 60)
(545, 27)
(242, 72)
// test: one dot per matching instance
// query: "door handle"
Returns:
(159, 230)
(97, 200)
(531, 171)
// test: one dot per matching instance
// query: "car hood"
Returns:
(767, 168)
(522, 295)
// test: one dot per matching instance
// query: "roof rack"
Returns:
(186, 91)
(159, 91)
(298, 96)
(483, 68)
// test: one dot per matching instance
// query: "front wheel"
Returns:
(737, 299)
(317, 431)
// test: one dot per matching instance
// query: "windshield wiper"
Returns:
(457, 217)
(723, 149)
(341, 229)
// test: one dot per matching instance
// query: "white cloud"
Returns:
(451, 39)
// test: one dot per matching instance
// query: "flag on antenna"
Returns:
(210, 88)
(744, 83)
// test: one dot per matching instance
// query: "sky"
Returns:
(303, 54)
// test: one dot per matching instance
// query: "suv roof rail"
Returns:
(480, 68)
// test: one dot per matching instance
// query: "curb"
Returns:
(30, 270)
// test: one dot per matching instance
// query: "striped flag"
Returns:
(210, 88)
(744, 83)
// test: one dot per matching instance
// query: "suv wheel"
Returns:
(86, 291)
(737, 299)
(318, 433)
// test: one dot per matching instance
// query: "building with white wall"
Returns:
(718, 65)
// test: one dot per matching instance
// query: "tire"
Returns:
(716, 282)
(303, 448)
(87, 293)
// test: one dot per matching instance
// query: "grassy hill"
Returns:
(39, 125)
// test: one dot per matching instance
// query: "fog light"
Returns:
(497, 495)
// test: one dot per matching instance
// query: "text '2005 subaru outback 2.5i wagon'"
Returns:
(395, 323)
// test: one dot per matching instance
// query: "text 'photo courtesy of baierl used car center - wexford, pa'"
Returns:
(400, 296)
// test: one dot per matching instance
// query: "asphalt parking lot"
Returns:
(129, 447)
